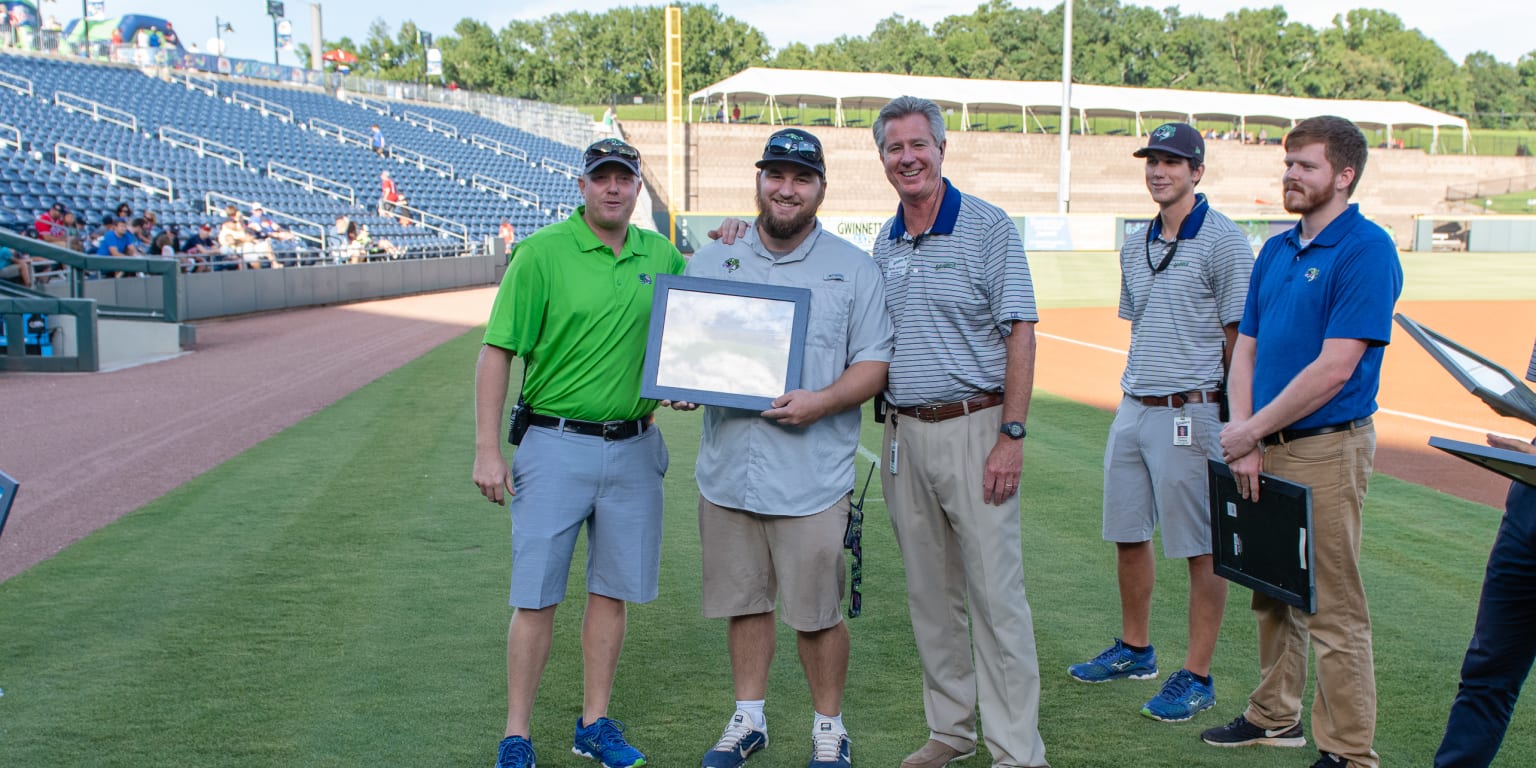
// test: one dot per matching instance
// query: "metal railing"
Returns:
(203, 147)
(16, 83)
(195, 83)
(564, 210)
(97, 110)
(505, 190)
(318, 239)
(556, 166)
(117, 171)
(443, 226)
(312, 182)
(10, 135)
(381, 107)
(344, 135)
(421, 161)
(266, 107)
(500, 148)
(447, 129)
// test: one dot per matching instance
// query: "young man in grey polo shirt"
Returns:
(1182, 286)
(959, 293)
(774, 486)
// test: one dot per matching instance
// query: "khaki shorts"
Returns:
(751, 559)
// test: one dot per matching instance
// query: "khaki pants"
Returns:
(1337, 467)
(959, 550)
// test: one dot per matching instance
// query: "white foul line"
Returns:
(1387, 411)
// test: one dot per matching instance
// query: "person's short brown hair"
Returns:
(1343, 143)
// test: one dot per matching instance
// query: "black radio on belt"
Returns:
(880, 406)
(517, 424)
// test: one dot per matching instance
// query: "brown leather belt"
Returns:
(1178, 399)
(1289, 435)
(946, 411)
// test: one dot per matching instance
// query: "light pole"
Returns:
(275, 10)
(219, 28)
(85, 23)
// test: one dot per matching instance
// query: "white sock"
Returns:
(836, 721)
(754, 708)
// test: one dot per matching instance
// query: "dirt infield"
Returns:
(94, 447)
(1081, 355)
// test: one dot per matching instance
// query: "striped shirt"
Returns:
(954, 293)
(1177, 314)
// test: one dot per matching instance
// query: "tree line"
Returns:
(581, 57)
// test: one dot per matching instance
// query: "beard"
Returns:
(1311, 199)
(785, 228)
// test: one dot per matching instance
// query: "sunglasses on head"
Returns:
(612, 148)
(788, 145)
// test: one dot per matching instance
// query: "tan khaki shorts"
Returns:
(750, 559)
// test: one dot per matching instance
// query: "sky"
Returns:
(1501, 27)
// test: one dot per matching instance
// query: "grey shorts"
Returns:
(750, 559)
(564, 480)
(1148, 480)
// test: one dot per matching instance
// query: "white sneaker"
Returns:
(740, 740)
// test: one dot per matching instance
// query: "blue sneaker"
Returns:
(830, 749)
(604, 742)
(740, 740)
(1181, 698)
(1117, 662)
(515, 752)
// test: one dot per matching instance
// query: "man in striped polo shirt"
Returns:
(959, 294)
(1504, 637)
(1182, 285)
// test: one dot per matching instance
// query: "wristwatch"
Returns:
(1013, 429)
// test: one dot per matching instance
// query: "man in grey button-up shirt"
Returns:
(774, 486)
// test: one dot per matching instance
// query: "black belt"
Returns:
(1288, 435)
(607, 430)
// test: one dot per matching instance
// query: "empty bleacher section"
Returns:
(1019, 173)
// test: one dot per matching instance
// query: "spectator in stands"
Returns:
(736, 113)
(49, 225)
(144, 230)
(608, 117)
(235, 241)
(124, 211)
(341, 241)
(389, 194)
(369, 246)
(508, 233)
(15, 267)
(376, 140)
(74, 234)
(201, 242)
(265, 229)
(119, 242)
(170, 35)
(151, 223)
(167, 244)
(97, 234)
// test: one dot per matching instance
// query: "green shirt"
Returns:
(580, 318)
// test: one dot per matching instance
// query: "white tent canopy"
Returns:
(798, 88)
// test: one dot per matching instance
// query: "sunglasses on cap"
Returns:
(611, 148)
(788, 145)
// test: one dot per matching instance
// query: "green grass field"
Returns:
(336, 596)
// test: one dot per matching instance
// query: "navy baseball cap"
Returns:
(611, 151)
(792, 145)
(1179, 139)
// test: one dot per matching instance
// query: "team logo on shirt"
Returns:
(1312, 274)
(732, 264)
(645, 279)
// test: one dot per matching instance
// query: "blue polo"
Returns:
(1342, 285)
(113, 240)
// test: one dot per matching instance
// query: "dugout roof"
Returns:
(777, 89)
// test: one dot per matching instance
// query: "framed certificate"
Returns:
(720, 342)
(1264, 545)
(1517, 466)
(1503, 391)
(8, 486)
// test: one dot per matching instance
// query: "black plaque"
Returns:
(1265, 545)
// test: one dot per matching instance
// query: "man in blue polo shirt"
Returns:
(1304, 376)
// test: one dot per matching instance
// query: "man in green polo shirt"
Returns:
(575, 305)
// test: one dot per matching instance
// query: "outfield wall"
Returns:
(216, 294)
(1019, 172)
